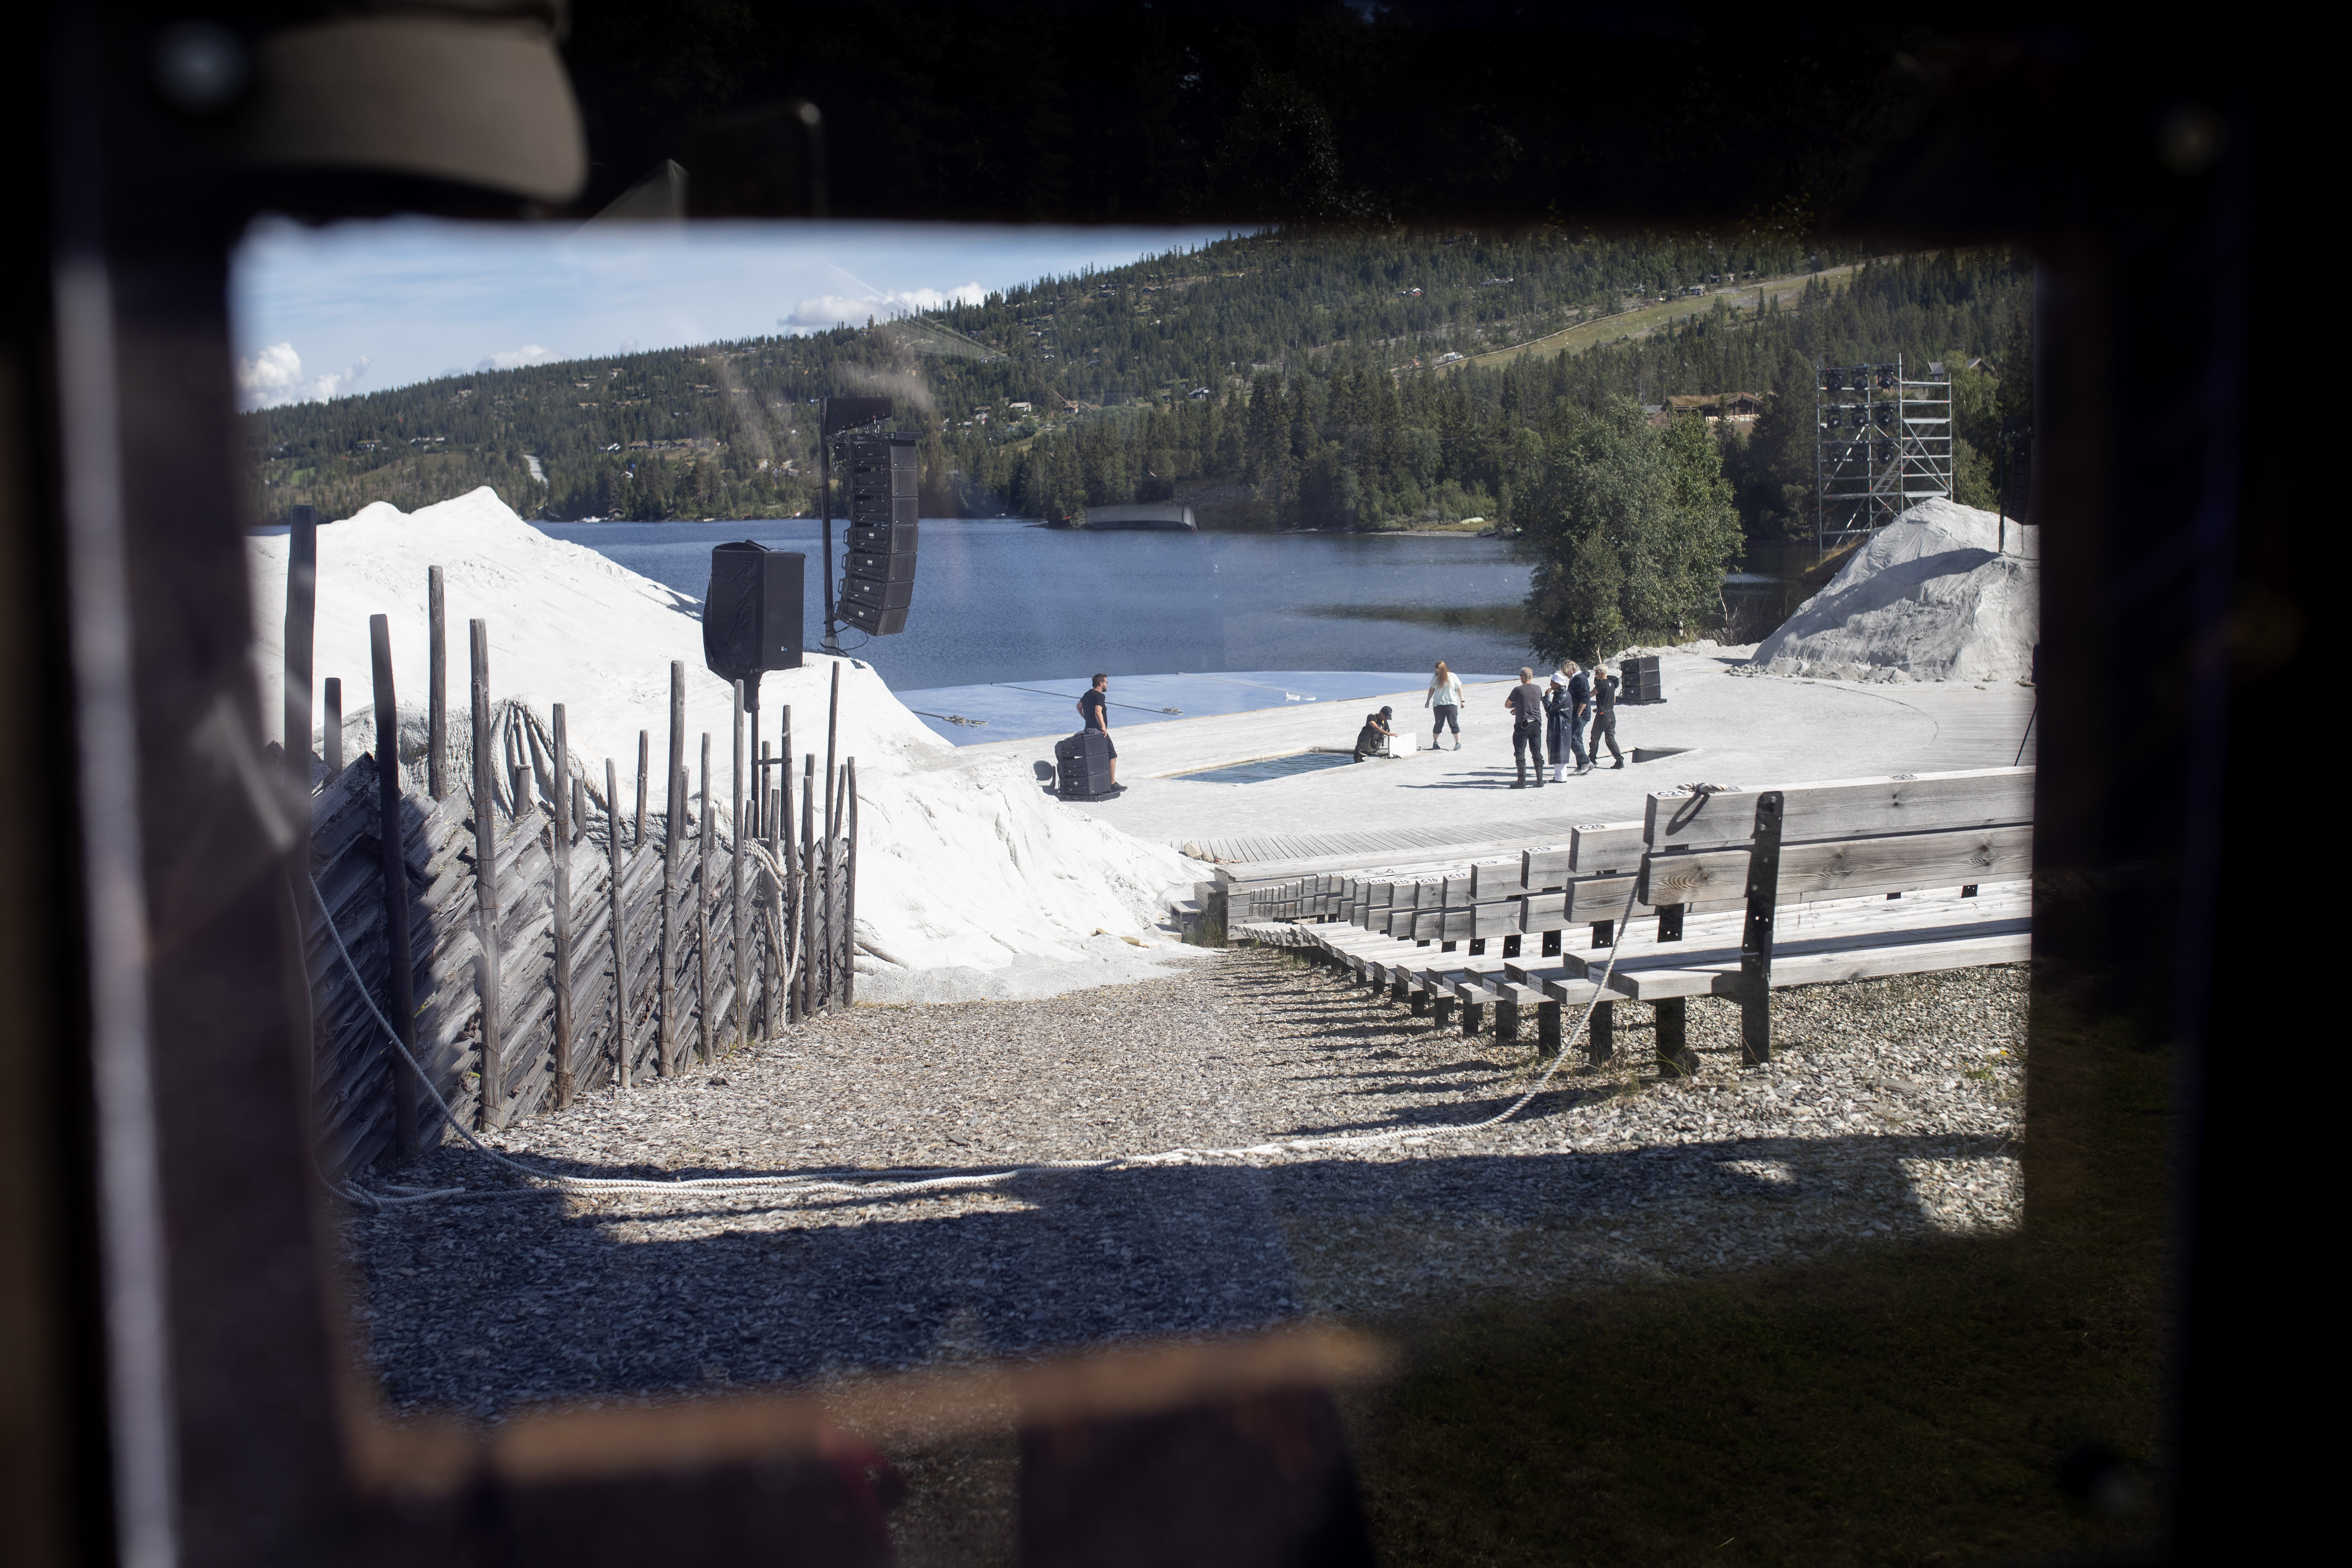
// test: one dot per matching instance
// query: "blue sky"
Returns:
(361, 307)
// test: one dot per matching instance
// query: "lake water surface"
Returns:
(998, 601)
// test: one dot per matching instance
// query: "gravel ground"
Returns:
(1890, 1113)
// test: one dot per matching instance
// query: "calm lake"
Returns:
(997, 601)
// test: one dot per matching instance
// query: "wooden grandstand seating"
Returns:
(1733, 892)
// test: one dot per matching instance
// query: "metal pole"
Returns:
(824, 510)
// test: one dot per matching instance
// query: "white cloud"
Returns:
(274, 377)
(832, 310)
(515, 359)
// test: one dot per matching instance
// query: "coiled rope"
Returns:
(810, 1186)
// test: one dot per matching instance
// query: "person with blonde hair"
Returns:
(1604, 719)
(1444, 701)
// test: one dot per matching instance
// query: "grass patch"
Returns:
(1907, 1404)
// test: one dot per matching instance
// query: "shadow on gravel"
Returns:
(482, 1307)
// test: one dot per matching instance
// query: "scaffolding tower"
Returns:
(1883, 444)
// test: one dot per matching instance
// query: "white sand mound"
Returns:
(1930, 597)
(964, 863)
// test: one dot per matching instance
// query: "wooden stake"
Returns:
(518, 769)
(702, 914)
(849, 899)
(775, 1000)
(492, 1103)
(804, 871)
(301, 613)
(559, 770)
(832, 733)
(788, 891)
(735, 871)
(645, 780)
(666, 992)
(677, 723)
(620, 936)
(437, 733)
(334, 725)
(828, 981)
(399, 965)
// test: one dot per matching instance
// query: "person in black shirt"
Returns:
(1604, 716)
(1526, 705)
(1093, 708)
(1579, 712)
(1375, 734)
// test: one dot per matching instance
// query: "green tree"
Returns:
(1631, 528)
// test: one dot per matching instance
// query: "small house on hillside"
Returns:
(1734, 405)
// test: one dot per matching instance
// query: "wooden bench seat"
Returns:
(1733, 892)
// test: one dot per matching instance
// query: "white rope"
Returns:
(811, 1186)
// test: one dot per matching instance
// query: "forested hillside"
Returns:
(1295, 379)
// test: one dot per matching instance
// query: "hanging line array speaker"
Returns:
(878, 583)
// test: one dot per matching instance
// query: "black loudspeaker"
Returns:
(1082, 766)
(873, 620)
(880, 586)
(886, 539)
(881, 480)
(882, 568)
(1638, 681)
(751, 616)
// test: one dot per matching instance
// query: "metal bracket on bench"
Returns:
(1756, 937)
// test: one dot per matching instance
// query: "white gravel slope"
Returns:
(971, 881)
(1932, 597)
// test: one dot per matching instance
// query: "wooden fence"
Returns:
(555, 947)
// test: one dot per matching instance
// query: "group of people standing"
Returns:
(1570, 717)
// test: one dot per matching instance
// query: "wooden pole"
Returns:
(579, 809)
(735, 871)
(620, 937)
(849, 897)
(804, 871)
(746, 709)
(831, 978)
(665, 993)
(488, 1113)
(437, 719)
(301, 614)
(518, 766)
(399, 963)
(677, 719)
(645, 781)
(702, 914)
(832, 733)
(333, 727)
(774, 998)
(673, 845)
(560, 769)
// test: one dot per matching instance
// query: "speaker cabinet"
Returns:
(882, 568)
(1639, 682)
(751, 616)
(880, 474)
(1082, 766)
(876, 595)
(873, 619)
(884, 539)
